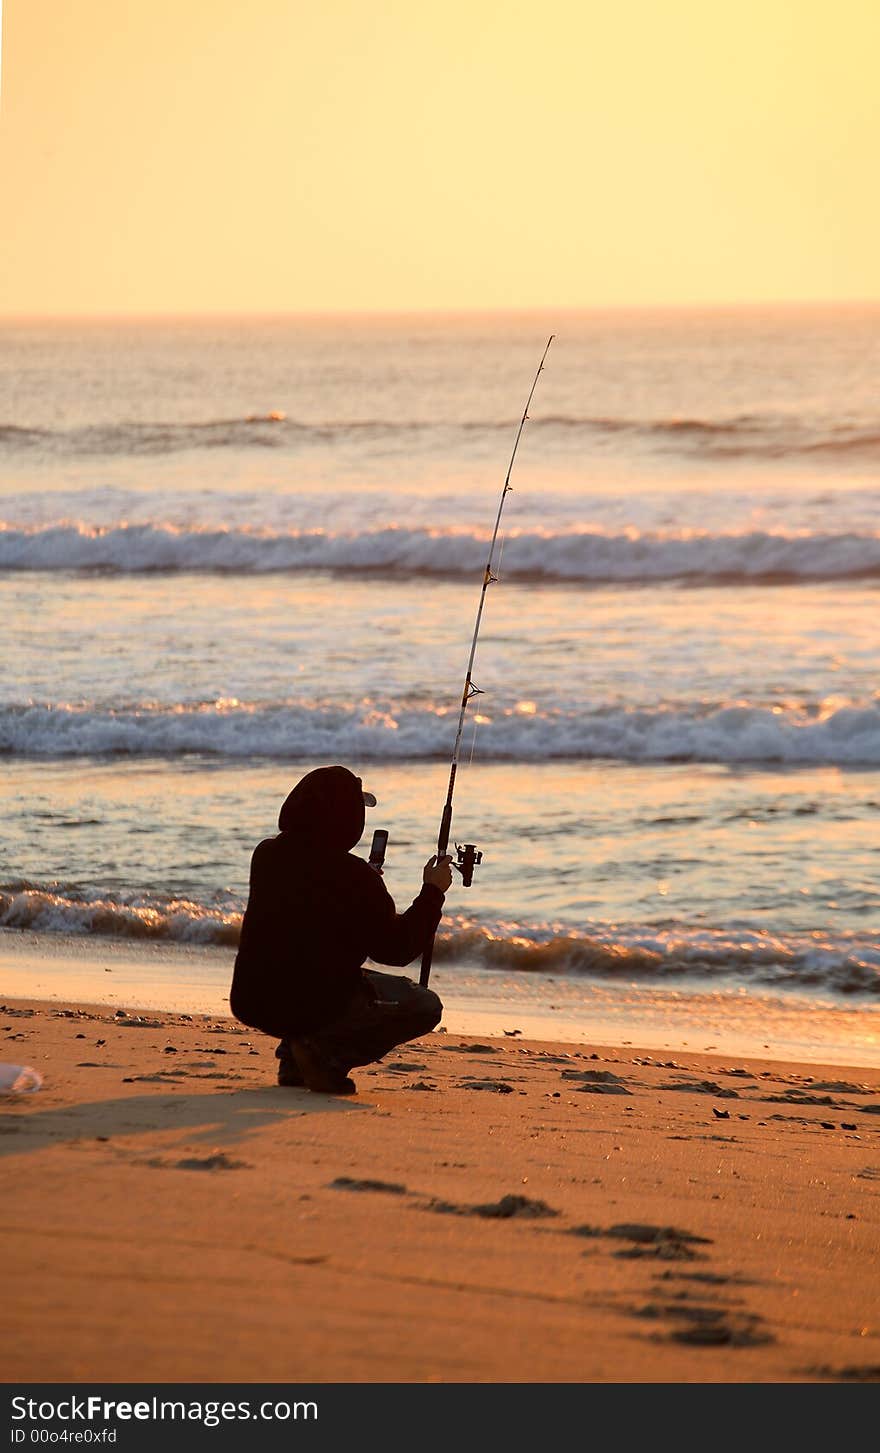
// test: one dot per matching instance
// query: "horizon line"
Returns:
(435, 312)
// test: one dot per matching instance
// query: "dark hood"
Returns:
(325, 811)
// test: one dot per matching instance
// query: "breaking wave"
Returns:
(844, 963)
(54, 909)
(370, 730)
(745, 435)
(761, 436)
(128, 438)
(580, 556)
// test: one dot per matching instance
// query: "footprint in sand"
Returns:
(500, 1087)
(841, 1087)
(474, 1048)
(668, 1243)
(214, 1075)
(866, 1372)
(707, 1326)
(164, 1077)
(349, 1183)
(597, 1082)
(703, 1087)
(219, 1160)
(504, 1210)
(739, 1331)
(706, 1278)
(802, 1097)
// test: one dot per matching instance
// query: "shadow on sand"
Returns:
(226, 1117)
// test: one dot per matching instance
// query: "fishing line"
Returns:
(500, 557)
(468, 855)
(473, 741)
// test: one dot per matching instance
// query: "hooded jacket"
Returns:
(315, 912)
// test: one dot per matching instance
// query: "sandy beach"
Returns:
(499, 1209)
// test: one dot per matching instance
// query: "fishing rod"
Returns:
(467, 854)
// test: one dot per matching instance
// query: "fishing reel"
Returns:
(468, 858)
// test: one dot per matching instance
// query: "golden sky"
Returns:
(262, 155)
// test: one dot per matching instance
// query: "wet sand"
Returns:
(492, 1210)
(156, 975)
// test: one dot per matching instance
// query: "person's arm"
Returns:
(395, 938)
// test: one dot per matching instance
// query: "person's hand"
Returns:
(438, 872)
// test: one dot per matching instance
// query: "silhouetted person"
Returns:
(315, 912)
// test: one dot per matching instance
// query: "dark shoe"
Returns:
(289, 1072)
(319, 1072)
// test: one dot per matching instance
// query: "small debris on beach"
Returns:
(474, 1048)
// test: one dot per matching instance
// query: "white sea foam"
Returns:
(48, 910)
(587, 556)
(837, 963)
(847, 735)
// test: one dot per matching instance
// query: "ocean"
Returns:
(232, 550)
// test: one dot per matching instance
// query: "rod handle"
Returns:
(442, 845)
(425, 970)
(445, 830)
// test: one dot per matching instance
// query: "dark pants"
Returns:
(388, 1011)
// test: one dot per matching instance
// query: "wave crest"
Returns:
(370, 730)
(765, 436)
(578, 556)
(846, 963)
(43, 910)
